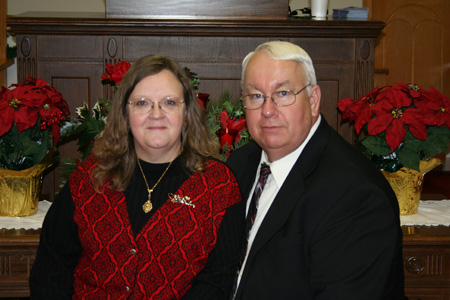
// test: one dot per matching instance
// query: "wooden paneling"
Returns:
(415, 44)
(426, 257)
(17, 254)
(71, 54)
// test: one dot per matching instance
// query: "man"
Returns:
(327, 223)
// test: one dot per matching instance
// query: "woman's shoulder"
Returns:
(83, 168)
(86, 163)
(215, 165)
(217, 172)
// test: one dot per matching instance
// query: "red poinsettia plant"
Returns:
(31, 114)
(399, 125)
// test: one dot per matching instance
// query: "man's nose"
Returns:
(269, 107)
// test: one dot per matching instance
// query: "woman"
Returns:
(150, 214)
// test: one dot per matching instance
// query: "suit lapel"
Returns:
(288, 196)
(249, 174)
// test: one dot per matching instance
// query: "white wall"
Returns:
(20, 6)
(332, 4)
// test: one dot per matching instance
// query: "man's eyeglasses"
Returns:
(280, 98)
(168, 105)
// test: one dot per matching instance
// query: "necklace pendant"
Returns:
(147, 206)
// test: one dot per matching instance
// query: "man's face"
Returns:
(279, 130)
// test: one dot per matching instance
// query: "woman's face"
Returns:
(157, 134)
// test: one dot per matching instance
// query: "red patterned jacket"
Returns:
(166, 255)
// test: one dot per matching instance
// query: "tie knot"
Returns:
(265, 170)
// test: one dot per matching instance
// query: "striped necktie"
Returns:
(253, 209)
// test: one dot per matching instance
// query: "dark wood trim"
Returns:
(96, 24)
(5, 63)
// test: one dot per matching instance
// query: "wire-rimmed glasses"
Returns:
(168, 105)
(280, 98)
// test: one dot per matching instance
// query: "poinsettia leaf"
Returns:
(36, 148)
(412, 143)
(409, 159)
(376, 144)
(437, 140)
(442, 133)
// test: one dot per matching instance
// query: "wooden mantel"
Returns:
(70, 51)
(64, 23)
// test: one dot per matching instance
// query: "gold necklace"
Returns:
(148, 204)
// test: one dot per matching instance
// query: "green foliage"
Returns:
(20, 152)
(410, 152)
(87, 126)
(234, 109)
(85, 129)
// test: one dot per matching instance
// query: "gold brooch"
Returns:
(186, 200)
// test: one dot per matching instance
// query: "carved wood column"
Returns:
(364, 68)
(26, 57)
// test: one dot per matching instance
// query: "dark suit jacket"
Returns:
(332, 232)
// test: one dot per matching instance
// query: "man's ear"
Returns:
(314, 100)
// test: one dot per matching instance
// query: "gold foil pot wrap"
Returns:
(408, 183)
(20, 190)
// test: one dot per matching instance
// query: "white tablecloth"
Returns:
(31, 222)
(430, 213)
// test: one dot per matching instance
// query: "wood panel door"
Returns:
(415, 43)
(3, 62)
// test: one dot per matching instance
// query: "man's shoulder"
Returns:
(241, 154)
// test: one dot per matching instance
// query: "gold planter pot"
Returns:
(20, 190)
(407, 184)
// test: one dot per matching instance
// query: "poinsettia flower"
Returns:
(404, 115)
(22, 105)
(392, 113)
(116, 72)
(345, 106)
(412, 89)
(6, 111)
(25, 117)
(435, 108)
(359, 112)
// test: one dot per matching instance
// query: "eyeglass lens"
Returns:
(168, 105)
(280, 98)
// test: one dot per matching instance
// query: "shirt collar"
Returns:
(280, 168)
